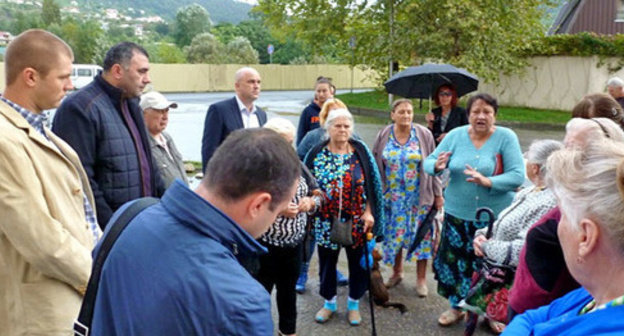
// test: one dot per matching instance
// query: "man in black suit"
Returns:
(229, 115)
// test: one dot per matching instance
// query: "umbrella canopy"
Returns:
(422, 81)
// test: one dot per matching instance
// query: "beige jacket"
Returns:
(45, 242)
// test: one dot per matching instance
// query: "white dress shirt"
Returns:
(250, 119)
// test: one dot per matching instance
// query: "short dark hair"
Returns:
(486, 97)
(252, 160)
(121, 53)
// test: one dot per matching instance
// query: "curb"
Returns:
(421, 119)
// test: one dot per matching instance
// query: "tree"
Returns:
(86, 39)
(24, 22)
(50, 12)
(190, 21)
(205, 48)
(161, 52)
(484, 36)
(240, 51)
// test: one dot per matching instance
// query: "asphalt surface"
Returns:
(420, 319)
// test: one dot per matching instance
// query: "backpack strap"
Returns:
(83, 323)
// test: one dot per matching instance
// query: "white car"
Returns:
(82, 74)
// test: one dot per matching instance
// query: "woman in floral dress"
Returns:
(409, 193)
(346, 173)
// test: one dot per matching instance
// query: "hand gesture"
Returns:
(442, 161)
(475, 177)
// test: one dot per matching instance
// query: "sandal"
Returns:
(355, 319)
(394, 280)
(496, 327)
(422, 290)
(323, 315)
(450, 317)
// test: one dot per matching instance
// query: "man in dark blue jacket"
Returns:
(231, 114)
(104, 124)
(176, 269)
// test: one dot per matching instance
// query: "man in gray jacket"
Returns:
(167, 157)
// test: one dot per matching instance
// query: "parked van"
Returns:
(82, 74)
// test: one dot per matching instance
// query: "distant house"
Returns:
(605, 17)
(5, 38)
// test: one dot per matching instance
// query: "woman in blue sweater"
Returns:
(589, 186)
(486, 167)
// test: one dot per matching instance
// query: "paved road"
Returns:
(186, 123)
(421, 319)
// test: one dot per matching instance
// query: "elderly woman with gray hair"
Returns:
(279, 268)
(589, 185)
(347, 174)
(529, 205)
(542, 275)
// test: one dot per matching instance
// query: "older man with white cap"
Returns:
(167, 157)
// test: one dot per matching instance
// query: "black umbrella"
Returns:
(423, 229)
(422, 81)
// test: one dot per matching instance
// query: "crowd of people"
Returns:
(107, 183)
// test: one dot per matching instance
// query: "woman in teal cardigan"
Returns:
(486, 167)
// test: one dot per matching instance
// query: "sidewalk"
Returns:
(421, 318)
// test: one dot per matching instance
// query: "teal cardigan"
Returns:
(462, 198)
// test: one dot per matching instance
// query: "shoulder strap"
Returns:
(83, 323)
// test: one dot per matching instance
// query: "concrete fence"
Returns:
(220, 77)
(553, 82)
(549, 82)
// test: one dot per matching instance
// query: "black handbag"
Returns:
(342, 232)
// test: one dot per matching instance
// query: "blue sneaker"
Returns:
(342, 281)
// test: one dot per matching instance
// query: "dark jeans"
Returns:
(280, 268)
(358, 278)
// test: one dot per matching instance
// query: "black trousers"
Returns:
(358, 278)
(280, 269)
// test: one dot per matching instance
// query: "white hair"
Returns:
(589, 183)
(281, 126)
(240, 72)
(539, 151)
(615, 82)
(585, 129)
(338, 113)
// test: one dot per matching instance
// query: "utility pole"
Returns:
(352, 45)
(391, 39)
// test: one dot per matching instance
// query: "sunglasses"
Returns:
(445, 93)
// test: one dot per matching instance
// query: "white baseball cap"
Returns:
(156, 100)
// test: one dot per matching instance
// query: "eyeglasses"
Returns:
(445, 93)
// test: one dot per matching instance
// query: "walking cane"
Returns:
(369, 237)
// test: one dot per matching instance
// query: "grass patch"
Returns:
(378, 100)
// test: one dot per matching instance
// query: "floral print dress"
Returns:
(333, 172)
(401, 199)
